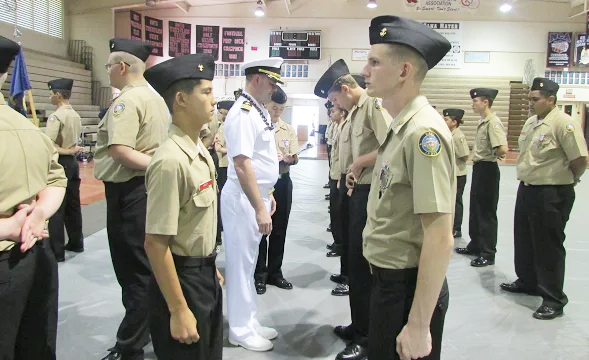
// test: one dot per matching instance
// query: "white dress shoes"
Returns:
(266, 332)
(253, 343)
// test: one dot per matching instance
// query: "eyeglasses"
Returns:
(108, 66)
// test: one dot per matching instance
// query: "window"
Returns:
(44, 16)
(568, 77)
(227, 70)
(295, 70)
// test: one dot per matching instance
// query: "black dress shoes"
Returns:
(329, 228)
(339, 279)
(547, 313)
(330, 246)
(326, 186)
(326, 196)
(516, 288)
(113, 355)
(341, 290)
(463, 251)
(76, 249)
(260, 287)
(333, 253)
(346, 333)
(481, 262)
(457, 233)
(280, 282)
(353, 352)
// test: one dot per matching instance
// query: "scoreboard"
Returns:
(296, 45)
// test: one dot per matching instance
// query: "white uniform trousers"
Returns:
(242, 240)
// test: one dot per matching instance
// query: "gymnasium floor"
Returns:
(483, 323)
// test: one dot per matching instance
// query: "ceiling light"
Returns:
(505, 7)
(371, 4)
(259, 10)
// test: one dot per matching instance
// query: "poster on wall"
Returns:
(154, 35)
(581, 51)
(207, 40)
(233, 45)
(453, 33)
(179, 41)
(559, 49)
(441, 6)
(136, 22)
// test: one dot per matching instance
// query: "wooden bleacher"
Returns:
(42, 68)
(454, 92)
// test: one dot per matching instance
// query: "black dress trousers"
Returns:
(459, 208)
(484, 197)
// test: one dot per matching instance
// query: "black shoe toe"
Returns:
(353, 352)
(260, 287)
(333, 254)
(481, 262)
(341, 290)
(281, 283)
(345, 333)
(463, 251)
(547, 313)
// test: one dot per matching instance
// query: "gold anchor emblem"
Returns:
(201, 68)
(112, 46)
(541, 84)
(383, 32)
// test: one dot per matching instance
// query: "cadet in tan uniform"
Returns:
(219, 144)
(359, 141)
(132, 129)
(552, 159)
(186, 300)
(408, 236)
(338, 117)
(64, 127)
(453, 118)
(271, 249)
(490, 145)
(32, 186)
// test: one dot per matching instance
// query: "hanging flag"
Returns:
(21, 86)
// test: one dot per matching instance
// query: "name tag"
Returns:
(205, 185)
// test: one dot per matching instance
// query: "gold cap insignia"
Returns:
(475, 93)
(201, 68)
(323, 91)
(541, 84)
(112, 46)
(383, 32)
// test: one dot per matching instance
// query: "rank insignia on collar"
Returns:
(378, 104)
(430, 144)
(247, 106)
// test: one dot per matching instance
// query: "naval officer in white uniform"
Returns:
(247, 203)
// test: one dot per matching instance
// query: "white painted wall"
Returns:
(36, 41)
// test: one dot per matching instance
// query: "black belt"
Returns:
(405, 275)
(547, 185)
(194, 261)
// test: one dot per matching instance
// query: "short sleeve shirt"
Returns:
(490, 134)
(547, 147)
(223, 162)
(247, 134)
(137, 118)
(64, 127)
(182, 195)
(414, 174)
(461, 150)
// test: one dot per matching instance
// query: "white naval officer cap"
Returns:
(270, 67)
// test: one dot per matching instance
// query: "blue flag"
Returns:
(19, 84)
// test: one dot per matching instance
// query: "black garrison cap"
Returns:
(279, 96)
(8, 51)
(427, 42)
(492, 93)
(140, 49)
(335, 71)
(191, 66)
(225, 104)
(61, 84)
(360, 80)
(459, 113)
(544, 84)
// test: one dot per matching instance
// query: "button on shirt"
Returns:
(547, 147)
(414, 174)
(138, 118)
(64, 127)
(182, 195)
(490, 134)
(247, 134)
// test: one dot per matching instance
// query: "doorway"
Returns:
(305, 119)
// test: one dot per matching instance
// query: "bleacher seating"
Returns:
(446, 91)
(42, 68)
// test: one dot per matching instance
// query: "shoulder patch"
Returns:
(378, 104)
(570, 127)
(430, 144)
(497, 126)
(462, 139)
(52, 118)
(246, 106)
(118, 109)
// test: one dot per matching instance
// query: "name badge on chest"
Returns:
(205, 185)
(383, 177)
